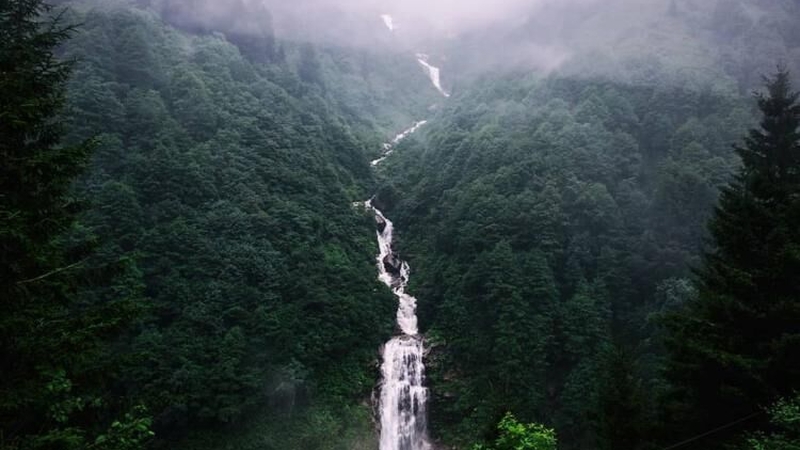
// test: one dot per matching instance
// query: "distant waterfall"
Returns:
(433, 73)
(388, 21)
(403, 397)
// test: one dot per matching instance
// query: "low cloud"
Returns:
(416, 18)
(497, 34)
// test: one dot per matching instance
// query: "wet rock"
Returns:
(381, 223)
(392, 264)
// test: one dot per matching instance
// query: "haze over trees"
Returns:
(742, 329)
(603, 222)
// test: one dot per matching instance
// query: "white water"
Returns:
(403, 398)
(433, 73)
(388, 21)
(388, 148)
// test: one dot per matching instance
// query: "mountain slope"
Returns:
(227, 179)
(547, 219)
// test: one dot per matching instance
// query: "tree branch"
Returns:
(52, 272)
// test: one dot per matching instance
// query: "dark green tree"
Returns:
(51, 341)
(734, 347)
(621, 401)
(37, 171)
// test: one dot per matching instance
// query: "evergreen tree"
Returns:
(735, 347)
(37, 171)
(53, 383)
(620, 423)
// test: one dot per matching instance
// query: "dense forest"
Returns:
(588, 197)
(216, 235)
(604, 249)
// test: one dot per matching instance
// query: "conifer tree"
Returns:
(37, 171)
(736, 346)
(51, 346)
(621, 417)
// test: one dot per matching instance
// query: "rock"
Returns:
(392, 264)
(381, 223)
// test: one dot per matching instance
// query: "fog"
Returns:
(415, 19)
(705, 37)
(442, 17)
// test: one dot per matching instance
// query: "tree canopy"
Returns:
(734, 347)
(57, 368)
(183, 264)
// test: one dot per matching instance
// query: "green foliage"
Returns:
(549, 220)
(224, 181)
(785, 418)
(513, 435)
(58, 366)
(37, 169)
(324, 427)
(130, 433)
(734, 346)
(622, 402)
(546, 219)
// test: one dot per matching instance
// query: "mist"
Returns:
(444, 17)
(583, 37)
(415, 20)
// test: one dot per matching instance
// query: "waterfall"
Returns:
(388, 21)
(388, 148)
(433, 73)
(403, 397)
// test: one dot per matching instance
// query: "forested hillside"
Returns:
(229, 183)
(602, 223)
(722, 44)
(548, 222)
(223, 180)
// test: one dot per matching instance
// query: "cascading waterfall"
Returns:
(433, 73)
(403, 397)
(388, 148)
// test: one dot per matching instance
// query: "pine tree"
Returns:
(621, 417)
(51, 345)
(736, 347)
(37, 171)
